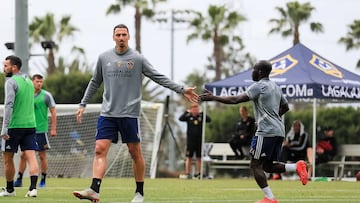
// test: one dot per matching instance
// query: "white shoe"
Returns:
(88, 194)
(31, 193)
(5, 193)
(138, 198)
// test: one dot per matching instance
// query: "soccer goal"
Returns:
(72, 150)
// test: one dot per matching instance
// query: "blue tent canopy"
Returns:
(301, 73)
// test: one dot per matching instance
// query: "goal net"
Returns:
(72, 150)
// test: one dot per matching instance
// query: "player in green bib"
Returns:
(18, 127)
(43, 102)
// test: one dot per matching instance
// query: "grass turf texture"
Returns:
(191, 191)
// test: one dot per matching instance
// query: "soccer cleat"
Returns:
(18, 183)
(196, 176)
(88, 194)
(42, 183)
(31, 193)
(302, 171)
(185, 176)
(5, 193)
(267, 200)
(138, 198)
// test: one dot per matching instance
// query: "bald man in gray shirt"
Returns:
(121, 70)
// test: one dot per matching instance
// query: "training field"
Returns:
(192, 191)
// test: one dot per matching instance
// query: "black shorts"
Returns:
(193, 149)
(266, 147)
(42, 140)
(23, 137)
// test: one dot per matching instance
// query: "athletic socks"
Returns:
(140, 188)
(95, 185)
(290, 167)
(43, 176)
(10, 186)
(19, 176)
(268, 193)
(33, 181)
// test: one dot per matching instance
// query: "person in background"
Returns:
(18, 127)
(269, 105)
(44, 102)
(326, 148)
(295, 145)
(245, 130)
(194, 119)
(121, 70)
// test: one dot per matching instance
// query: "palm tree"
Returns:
(46, 29)
(216, 27)
(352, 38)
(234, 59)
(142, 8)
(78, 64)
(291, 17)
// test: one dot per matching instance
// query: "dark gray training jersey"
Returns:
(267, 98)
(122, 78)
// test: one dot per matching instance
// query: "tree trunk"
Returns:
(138, 29)
(218, 57)
(296, 35)
(51, 62)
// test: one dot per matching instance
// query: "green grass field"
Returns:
(192, 191)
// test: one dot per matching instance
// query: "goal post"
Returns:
(72, 150)
(155, 125)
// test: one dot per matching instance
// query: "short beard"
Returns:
(8, 75)
(121, 49)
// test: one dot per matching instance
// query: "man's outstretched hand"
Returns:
(191, 95)
(206, 96)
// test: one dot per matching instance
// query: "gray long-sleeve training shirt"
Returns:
(122, 77)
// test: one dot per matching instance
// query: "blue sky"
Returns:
(95, 34)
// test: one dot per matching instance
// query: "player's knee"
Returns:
(99, 149)
(42, 158)
(134, 150)
(255, 163)
(136, 156)
(267, 168)
(272, 167)
(23, 156)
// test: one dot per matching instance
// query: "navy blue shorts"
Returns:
(110, 127)
(266, 147)
(42, 140)
(23, 137)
